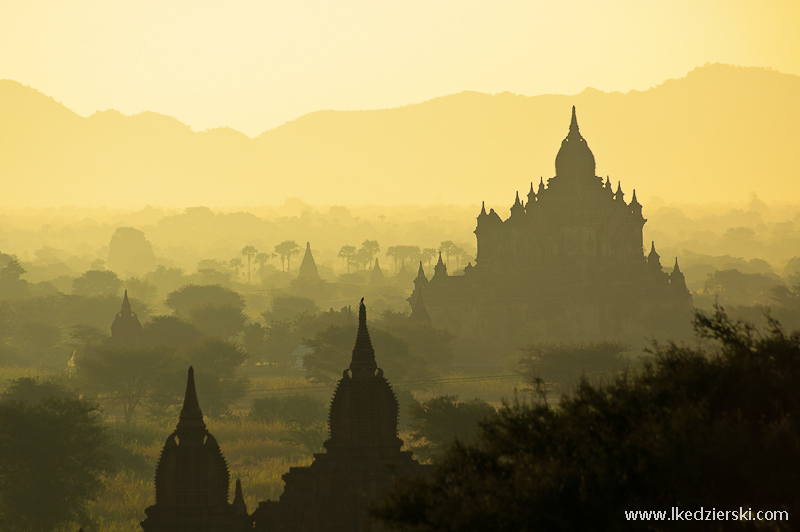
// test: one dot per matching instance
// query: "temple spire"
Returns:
(238, 499)
(363, 354)
(516, 201)
(419, 312)
(126, 306)
(573, 125)
(190, 423)
(483, 208)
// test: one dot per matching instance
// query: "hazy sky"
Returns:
(254, 64)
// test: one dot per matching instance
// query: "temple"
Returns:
(192, 480)
(362, 455)
(308, 268)
(567, 265)
(126, 327)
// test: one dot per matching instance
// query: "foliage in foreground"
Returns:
(714, 427)
(52, 456)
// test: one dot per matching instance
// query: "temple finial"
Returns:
(238, 499)
(126, 305)
(573, 125)
(191, 416)
(363, 353)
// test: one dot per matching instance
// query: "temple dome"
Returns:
(574, 159)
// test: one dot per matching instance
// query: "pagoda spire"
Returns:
(191, 428)
(238, 499)
(126, 305)
(419, 312)
(363, 359)
(541, 184)
(573, 125)
(483, 208)
(516, 201)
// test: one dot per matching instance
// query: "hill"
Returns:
(714, 135)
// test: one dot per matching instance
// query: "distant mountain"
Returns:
(714, 135)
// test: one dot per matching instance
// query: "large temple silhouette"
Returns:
(567, 264)
(362, 459)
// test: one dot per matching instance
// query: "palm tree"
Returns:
(236, 263)
(347, 253)
(286, 249)
(249, 252)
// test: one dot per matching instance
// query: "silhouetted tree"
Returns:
(249, 252)
(140, 289)
(698, 424)
(370, 248)
(436, 423)
(169, 332)
(236, 263)
(166, 279)
(447, 247)
(125, 375)
(332, 349)
(427, 255)
(222, 321)
(347, 253)
(563, 364)
(183, 299)
(86, 335)
(12, 286)
(53, 455)
(262, 258)
(130, 251)
(97, 283)
(286, 249)
(286, 307)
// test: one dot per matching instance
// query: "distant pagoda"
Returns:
(308, 268)
(126, 327)
(362, 455)
(568, 265)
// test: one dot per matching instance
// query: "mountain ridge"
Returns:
(718, 125)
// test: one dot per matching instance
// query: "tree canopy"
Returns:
(710, 426)
(52, 455)
(191, 295)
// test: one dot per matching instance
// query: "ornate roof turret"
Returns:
(619, 195)
(541, 185)
(636, 207)
(574, 159)
(531, 196)
(419, 312)
(421, 279)
(677, 281)
(440, 270)
(126, 326)
(653, 259)
(483, 212)
(517, 209)
(308, 268)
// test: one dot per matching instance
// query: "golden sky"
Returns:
(254, 64)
